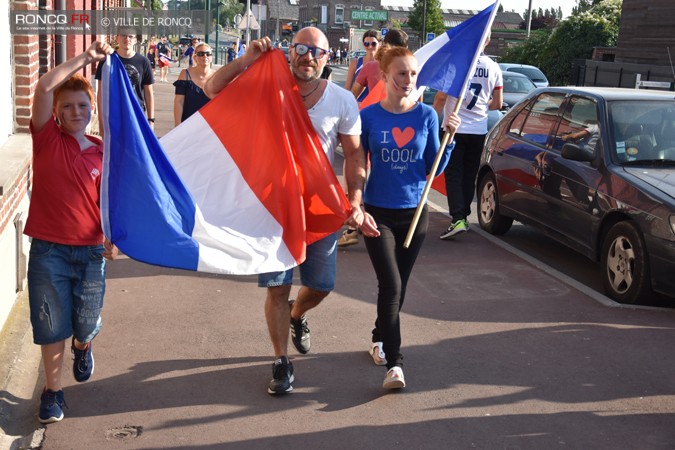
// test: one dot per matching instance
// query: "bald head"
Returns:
(311, 36)
(307, 67)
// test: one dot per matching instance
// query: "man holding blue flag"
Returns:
(483, 93)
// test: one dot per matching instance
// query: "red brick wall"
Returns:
(13, 194)
(34, 56)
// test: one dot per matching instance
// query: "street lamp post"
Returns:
(278, 35)
(218, 5)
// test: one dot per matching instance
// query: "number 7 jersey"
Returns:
(487, 78)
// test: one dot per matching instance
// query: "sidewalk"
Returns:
(499, 354)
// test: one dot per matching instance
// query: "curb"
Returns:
(20, 377)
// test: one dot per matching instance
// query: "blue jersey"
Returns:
(402, 149)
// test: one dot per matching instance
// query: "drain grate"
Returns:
(124, 433)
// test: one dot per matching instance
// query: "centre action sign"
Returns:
(358, 14)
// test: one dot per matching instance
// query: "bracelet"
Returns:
(151, 119)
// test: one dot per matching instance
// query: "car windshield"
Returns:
(532, 73)
(517, 85)
(643, 131)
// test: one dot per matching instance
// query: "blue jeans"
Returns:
(66, 284)
(317, 271)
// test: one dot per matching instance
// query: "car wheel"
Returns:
(489, 216)
(625, 264)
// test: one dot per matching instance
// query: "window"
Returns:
(539, 118)
(339, 14)
(368, 23)
(580, 121)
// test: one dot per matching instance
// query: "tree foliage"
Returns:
(434, 22)
(595, 24)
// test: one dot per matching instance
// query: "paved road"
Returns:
(499, 354)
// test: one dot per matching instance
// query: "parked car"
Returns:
(356, 54)
(593, 168)
(516, 87)
(532, 72)
(285, 50)
(493, 115)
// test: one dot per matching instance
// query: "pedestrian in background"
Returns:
(152, 53)
(66, 267)
(139, 72)
(485, 93)
(371, 43)
(163, 58)
(231, 53)
(335, 117)
(190, 51)
(189, 95)
(400, 137)
(370, 72)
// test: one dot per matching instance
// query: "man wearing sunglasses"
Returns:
(335, 116)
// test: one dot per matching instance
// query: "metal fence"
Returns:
(615, 74)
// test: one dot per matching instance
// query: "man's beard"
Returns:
(303, 75)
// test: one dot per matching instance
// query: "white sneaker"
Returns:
(394, 379)
(377, 354)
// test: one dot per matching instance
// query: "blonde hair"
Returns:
(202, 44)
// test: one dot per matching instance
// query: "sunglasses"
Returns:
(302, 49)
(370, 44)
(203, 53)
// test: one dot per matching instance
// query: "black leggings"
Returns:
(393, 264)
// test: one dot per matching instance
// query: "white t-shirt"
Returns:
(335, 113)
(474, 111)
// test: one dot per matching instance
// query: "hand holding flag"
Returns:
(447, 64)
(218, 193)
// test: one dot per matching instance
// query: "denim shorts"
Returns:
(66, 284)
(316, 272)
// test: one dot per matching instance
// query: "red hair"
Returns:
(75, 83)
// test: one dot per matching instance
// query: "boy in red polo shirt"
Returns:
(66, 268)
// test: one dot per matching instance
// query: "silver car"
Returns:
(532, 72)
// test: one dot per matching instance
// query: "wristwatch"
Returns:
(151, 119)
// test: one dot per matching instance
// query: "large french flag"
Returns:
(447, 63)
(241, 187)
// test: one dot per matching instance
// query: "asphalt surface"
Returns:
(500, 353)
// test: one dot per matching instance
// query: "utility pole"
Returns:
(529, 18)
(423, 38)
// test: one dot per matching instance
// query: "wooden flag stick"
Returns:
(430, 179)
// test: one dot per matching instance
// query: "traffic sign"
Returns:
(430, 36)
(384, 31)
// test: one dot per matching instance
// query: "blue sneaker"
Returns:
(51, 406)
(83, 362)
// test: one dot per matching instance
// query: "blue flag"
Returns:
(447, 62)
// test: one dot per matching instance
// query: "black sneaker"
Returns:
(300, 334)
(83, 362)
(51, 406)
(282, 377)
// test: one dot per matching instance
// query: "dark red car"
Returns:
(593, 168)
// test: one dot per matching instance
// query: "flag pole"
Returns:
(446, 136)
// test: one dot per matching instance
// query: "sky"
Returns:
(518, 6)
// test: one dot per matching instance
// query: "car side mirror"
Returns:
(576, 153)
